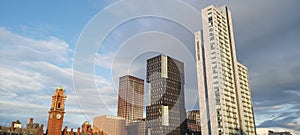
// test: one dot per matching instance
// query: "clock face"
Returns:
(58, 116)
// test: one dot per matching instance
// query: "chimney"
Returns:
(41, 130)
(42, 126)
(31, 121)
(72, 133)
(12, 127)
(78, 131)
(65, 130)
(91, 131)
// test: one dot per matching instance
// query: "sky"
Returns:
(86, 46)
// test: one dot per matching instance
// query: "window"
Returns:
(210, 19)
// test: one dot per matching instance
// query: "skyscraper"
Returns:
(166, 112)
(224, 92)
(131, 98)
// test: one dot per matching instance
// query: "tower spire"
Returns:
(56, 112)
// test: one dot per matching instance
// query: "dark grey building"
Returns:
(278, 133)
(136, 127)
(166, 113)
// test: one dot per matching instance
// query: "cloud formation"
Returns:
(30, 71)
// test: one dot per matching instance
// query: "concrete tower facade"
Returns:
(224, 92)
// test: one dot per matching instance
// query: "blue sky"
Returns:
(41, 19)
(41, 48)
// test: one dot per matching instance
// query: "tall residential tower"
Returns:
(166, 112)
(223, 85)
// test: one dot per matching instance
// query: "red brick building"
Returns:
(56, 112)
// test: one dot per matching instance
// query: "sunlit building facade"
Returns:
(224, 93)
(131, 98)
(245, 100)
(109, 125)
(193, 122)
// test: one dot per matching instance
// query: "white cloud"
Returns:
(15, 79)
(264, 131)
(293, 92)
(26, 62)
(15, 47)
(31, 69)
(29, 74)
(7, 94)
(104, 60)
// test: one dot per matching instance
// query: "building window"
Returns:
(210, 19)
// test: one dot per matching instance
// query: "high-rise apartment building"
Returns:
(245, 100)
(166, 113)
(131, 98)
(224, 92)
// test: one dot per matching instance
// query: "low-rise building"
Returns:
(110, 125)
(279, 133)
(16, 128)
(193, 122)
(86, 130)
(136, 127)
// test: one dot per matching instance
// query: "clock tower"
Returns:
(56, 112)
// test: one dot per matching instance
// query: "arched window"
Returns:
(58, 105)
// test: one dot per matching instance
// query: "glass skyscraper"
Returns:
(166, 113)
(131, 98)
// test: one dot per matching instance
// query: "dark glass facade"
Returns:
(166, 113)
